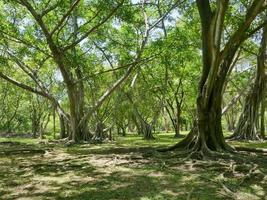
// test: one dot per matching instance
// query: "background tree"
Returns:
(247, 125)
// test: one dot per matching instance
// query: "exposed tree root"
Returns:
(229, 193)
(195, 148)
(249, 175)
(182, 145)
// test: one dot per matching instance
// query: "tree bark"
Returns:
(230, 118)
(147, 130)
(63, 125)
(263, 107)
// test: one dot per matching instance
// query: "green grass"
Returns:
(20, 140)
(127, 168)
(161, 139)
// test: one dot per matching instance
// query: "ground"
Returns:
(128, 168)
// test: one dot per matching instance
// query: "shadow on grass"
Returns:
(107, 172)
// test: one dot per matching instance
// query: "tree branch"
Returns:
(23, 86)
(65, 16)
(94, 28)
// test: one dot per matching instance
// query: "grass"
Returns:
(161, 139)
(129, 169)
(20, 140)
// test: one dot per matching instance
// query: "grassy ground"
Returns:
(129, 169)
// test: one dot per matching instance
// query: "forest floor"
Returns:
(128, 168)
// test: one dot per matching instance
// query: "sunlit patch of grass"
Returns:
(123, 144)
(251, 144)
(20, 140)
(161, 139)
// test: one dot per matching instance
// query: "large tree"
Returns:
(207, 135)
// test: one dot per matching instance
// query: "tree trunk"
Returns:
(166, 123)
(175, 120)
(247, 125)
(54, 122)
(248, 121)
(230, 120)
(77, 126)
(62, 126)
(147, 130)
(101, 133)
(177, 128)
(262, 131)
(130, 126)
(35, 123)
(121, 130)
(206, 137)
(76, 91)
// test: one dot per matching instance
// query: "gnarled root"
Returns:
(197, 148)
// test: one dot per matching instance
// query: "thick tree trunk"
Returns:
(209, 125)
(206, 136)
(77, 126)
(76, 92)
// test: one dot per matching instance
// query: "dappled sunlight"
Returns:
(133, 100)
(105, 171)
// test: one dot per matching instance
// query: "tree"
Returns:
(67, 47)
(247, 124)
(207, 135)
